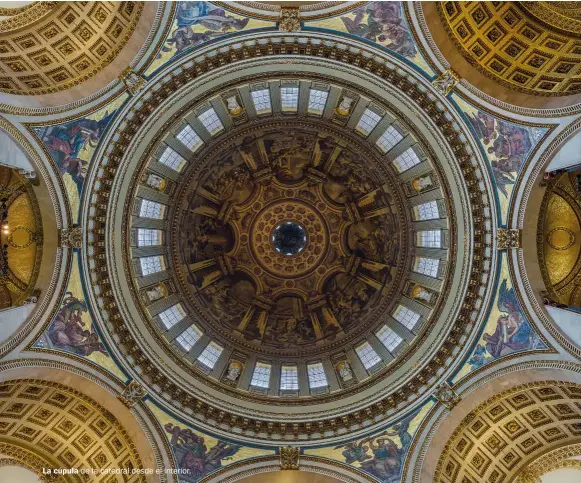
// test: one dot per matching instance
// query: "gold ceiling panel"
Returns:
(559, 240)
(506, 42)
(55, 46)
(22, 238)
(509, 430)
(66, 428)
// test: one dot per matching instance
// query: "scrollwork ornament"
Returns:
(446, 395)
(445, 82)
(133, 81)
(289, 457)
(289, 19)
(71, 237)
(132, 394)
(508, 238)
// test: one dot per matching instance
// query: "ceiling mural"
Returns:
(196, 454)
(73, 329)
(275, 182)
(382, 455)
(507, 147)
(382, 23)
(288, 237)
(197, 23)
(507, 330)
(72, 144)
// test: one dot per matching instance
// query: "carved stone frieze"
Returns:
(289, 457)
(446, 395)
(133, 393)
(71, 237)
(445, 82)
(508, 238)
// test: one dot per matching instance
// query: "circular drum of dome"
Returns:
(387, 209)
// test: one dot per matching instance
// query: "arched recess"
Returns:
(529, 204)
(267, 469)
(550, 387)
(52, 213)
(98, 398)
(466, 64)
(118, 36)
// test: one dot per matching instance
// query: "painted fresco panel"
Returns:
(507, 146)
(383, 23)
(72, 145)
(73, 329)
(199, 454)
(381, 455)
(196, 23)
(506, 331)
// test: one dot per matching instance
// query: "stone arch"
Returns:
(100, 394)
(270, 466)
(439, 427)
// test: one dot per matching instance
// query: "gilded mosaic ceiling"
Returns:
(51, 46)
(533, 47)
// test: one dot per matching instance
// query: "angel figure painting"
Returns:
(70, 333)
(382, 22)
(511, 332)
(199, 22)
(71, 145)
(192, 454)
(381, 455)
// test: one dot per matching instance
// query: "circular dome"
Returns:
(202, 181)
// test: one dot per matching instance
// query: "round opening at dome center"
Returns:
(289, 238)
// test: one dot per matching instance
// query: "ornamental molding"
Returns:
(446, 394)
(446, 82)
(71, 237)
(268, 464)
(289, 457)
(132, 394)
(357, 59)
(466, 386)
(508, 238)
(48, 305)
(289, 19)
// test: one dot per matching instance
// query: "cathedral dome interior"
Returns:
(290, 241)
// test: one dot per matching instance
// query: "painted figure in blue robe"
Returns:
(387, 460)
(510, 145)
(513, 332)
(67, 143)
(216, 20)
(384, 24)
(479, 358)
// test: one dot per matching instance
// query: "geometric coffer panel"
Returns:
(53, 46)
(502, 435)
(506, 42)
(66, 428)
